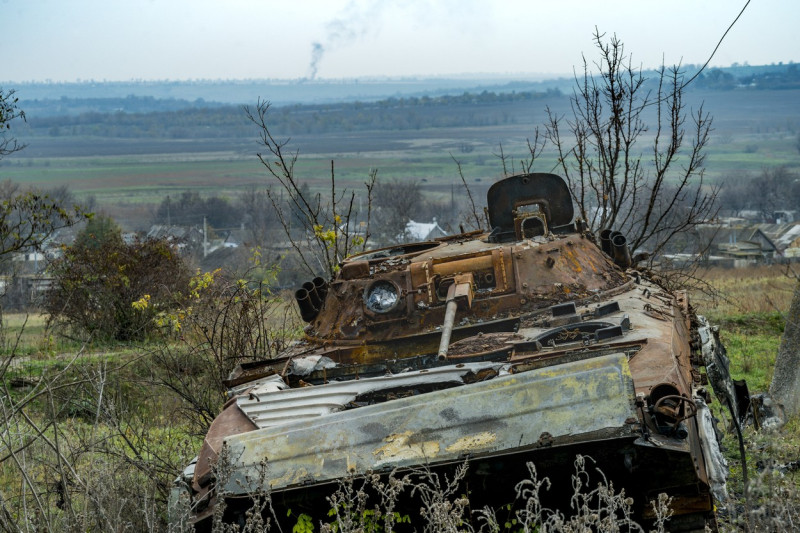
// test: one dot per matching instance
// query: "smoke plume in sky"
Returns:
(353, 23)
(62, 40)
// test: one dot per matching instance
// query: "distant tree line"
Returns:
(206, 123)
(779, 79)
(774, 191)
(465, 110)
(74, 106)
(124, 117)
(190, 209)
(201, 120)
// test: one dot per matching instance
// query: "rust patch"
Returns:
(576, 265)
(399, 447)
(472, 442)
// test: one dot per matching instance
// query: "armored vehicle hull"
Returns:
(529, 343)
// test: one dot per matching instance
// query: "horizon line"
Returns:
(540, 76)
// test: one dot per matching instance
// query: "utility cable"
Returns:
(718, 45)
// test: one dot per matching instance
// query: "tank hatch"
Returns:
(528, 205)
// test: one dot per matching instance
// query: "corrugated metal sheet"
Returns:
(269, 404)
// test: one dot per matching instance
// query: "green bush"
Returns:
(109, 290)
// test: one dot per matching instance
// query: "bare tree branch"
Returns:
(475, 217)
(327, 231)
(649, 194)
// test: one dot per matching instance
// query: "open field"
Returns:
(752, 130)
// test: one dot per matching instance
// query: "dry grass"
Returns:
(29, 328)
(758, 289)
(27, 334)
(749, 305)
(773, 503)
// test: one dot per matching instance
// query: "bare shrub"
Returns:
(395, 202)
(109, 469)
(227, 320)
(373, 503)
(594, 506)
(350, 507)
(445, 507)
(323, 232)
(258, 518)
(654, 193)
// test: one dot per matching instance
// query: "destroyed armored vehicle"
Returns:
(533, 342)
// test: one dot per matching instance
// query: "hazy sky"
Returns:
(67, 40)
